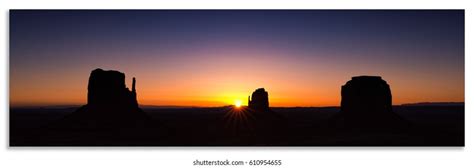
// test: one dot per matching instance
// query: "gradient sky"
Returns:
(212, 58)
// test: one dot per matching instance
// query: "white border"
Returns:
(183, 157)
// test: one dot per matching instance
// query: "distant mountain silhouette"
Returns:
(366, 102)
(110, 105)
(434, 104)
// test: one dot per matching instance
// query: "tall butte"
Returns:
(259, 100)
(110, 104)
(107, 91)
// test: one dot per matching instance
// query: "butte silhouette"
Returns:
(366, 103)
(267, 121)
(259, 101)
(110, 105)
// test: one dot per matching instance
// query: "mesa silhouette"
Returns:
(366, 103)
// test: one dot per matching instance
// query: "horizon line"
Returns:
(193, 106)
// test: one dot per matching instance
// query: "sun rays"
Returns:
(239, 120)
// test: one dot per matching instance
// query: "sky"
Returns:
(217, 57)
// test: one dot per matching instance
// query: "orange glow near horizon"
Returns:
(218, 86)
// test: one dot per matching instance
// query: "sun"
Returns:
(238, 103)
